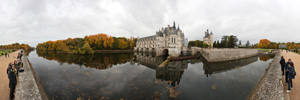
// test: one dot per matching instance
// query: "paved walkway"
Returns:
(4, 89)
(294, 95)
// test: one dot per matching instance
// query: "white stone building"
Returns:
(167, 41)
(208, 39)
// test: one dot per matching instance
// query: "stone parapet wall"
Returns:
(216, 55)
(270, 86)
(29, 86)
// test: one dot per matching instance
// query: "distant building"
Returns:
(208, 38)
(168, 40)
(282, 46)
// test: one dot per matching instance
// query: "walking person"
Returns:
(291, 76)
(286, 70)
(13, 79)
(5, 54)
(282, 63)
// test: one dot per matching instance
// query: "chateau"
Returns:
(208, 39)
(167, 41)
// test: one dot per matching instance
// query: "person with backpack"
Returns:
(282, 63)
(286, 70)
(291, 76)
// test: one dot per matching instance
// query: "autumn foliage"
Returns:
(16, 46)
(267, 44)
(264, 43)
(88, 44)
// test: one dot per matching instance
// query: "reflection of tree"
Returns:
(265, 58)
(28, 51)
(98, 61)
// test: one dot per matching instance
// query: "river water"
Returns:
(134, 76)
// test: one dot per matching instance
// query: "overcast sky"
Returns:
(35, 21)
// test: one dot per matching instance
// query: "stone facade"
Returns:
(208, 38)
(167, 41)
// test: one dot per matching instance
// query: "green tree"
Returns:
(232, 41)
(248, 44)
(205, 45)
(86, 49)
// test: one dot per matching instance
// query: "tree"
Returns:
(205, 45)
(264, 43)
(232, 41)
(218, 44)
(215, 44)
(247, 44)
(122, 44)
(86, 49)
(224, 41)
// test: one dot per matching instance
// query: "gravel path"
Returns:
(294, 95)
(4, 89)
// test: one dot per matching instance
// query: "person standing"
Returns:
(291, 76)
(282, 63)
(286, 70)
(16, 66)
(13, 79)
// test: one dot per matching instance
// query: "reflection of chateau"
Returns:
(171, 73)
(168, 39)
(208, 38)
(217, 67)
(148, 60)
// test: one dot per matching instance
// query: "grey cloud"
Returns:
(35, 21)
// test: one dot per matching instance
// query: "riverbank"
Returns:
(4, 81)
(270, 85)
(113, 51)
(29, 87)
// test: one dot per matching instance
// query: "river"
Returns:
(134, 76)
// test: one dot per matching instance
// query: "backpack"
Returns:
(293, 73)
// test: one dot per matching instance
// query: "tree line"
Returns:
(16, 46)
(226, 42)
(267, 44)
(88, 44)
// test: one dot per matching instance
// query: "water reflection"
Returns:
(98, 61)
(266, 57)
(218, 67)
(135, 76)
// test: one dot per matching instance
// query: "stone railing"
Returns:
(270, 85)
(29, 86)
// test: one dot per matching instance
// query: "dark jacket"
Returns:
(287, 65)
(8, 68)
(282, 62)
(12, 78)
(291, 70)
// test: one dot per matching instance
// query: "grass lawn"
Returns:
(268, 50)
(2, 52)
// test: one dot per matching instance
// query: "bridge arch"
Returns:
(166, 52)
